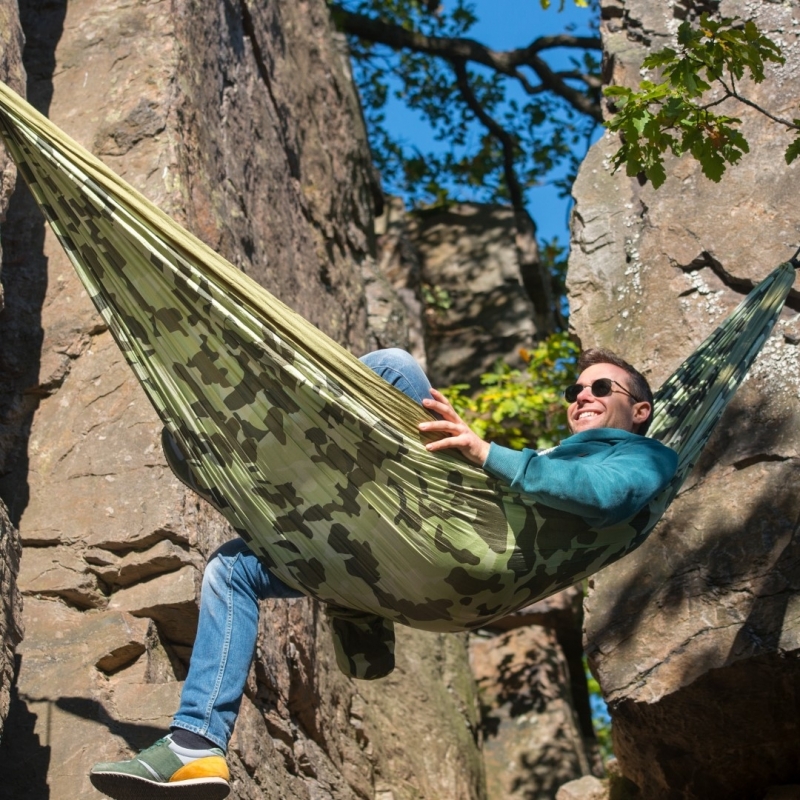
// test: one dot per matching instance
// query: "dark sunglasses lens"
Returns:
(600, 388)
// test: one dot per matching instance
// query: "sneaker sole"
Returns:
(121, 786)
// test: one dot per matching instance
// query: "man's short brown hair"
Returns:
(637, 383)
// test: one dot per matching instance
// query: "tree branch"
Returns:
(717, 102)
(463, 49)
(592, 81)
(536, 282)
(496, 129)
(735, 94)
(565, 40)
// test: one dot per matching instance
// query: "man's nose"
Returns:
(585, 393)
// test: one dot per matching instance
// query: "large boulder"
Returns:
(457, 270)
(242, 123)
(695, 637)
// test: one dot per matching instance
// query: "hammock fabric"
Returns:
(315, 461)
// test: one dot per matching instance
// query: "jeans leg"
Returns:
(233, 583)
(401, 369)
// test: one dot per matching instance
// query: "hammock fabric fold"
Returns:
(314, 460)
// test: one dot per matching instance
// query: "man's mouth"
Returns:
(587, 414)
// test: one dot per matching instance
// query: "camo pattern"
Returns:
(315, 461)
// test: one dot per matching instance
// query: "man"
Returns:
(606, 471)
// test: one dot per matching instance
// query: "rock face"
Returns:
(457, 272)
(11, 72)
(534, 740)
(695, 637)
(476, 308)
(586, 788)
(240, 121)
(10, 609)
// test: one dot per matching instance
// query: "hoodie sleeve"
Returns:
(604, 487)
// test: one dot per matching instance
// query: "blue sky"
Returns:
(503, 25)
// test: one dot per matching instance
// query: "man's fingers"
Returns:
(450, 441)
(444, 426)
(460, 435)
(472, 447)
(442, 410)
(441, 407)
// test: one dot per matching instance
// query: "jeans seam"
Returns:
(214, 694)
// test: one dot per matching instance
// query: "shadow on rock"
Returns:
(136, 736)
(22, 747)
(24, 273)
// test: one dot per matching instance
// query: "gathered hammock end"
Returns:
(313, 459)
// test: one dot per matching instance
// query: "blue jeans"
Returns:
(233, 583)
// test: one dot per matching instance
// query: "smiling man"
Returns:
(606, 472)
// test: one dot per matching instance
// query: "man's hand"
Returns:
(472, 447)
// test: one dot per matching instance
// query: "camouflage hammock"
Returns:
(314, 460)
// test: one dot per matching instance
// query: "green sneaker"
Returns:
(161, 772)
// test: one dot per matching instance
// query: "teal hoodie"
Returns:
(604, 475)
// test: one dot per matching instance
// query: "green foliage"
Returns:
(793, 150)
(670, 114)
(600, 719)
(522, 408)
(466, 161)
(435, 297)
(545, 4)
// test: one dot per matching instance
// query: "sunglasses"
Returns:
(602, 387)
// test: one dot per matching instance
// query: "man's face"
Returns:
(616, 410)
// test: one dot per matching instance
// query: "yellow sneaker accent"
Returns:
(209, 767)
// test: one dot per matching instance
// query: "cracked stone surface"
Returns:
(586, 788)
(695, 638)
(476, 308)
(11, 625)
(457, 272)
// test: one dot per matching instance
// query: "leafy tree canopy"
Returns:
(506, 120)
(510, 120)
(498, 145)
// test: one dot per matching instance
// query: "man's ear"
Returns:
(641, 412)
